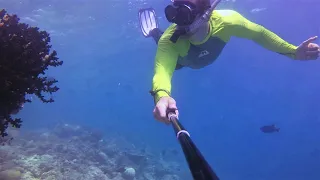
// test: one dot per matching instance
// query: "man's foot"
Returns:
(148, 21)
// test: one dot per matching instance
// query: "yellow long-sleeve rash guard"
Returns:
(223, 25)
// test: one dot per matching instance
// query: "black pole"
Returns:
(199, 167)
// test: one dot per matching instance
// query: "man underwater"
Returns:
(195, 39)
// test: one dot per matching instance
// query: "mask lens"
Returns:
(171, 13)
(182, 15)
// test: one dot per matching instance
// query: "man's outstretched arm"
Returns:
(242, 27)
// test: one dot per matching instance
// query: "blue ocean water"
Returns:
(108, 69)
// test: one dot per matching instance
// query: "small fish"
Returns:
(270, 129)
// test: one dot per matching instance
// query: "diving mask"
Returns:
(182, 13)
(187, 16)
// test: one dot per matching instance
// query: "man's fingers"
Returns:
(313, 45)
(306, 42)
(156, 114)
(161, 110)
(172, 104)
(313, 49)
(312, 54)
(177, 112)
(160, 114)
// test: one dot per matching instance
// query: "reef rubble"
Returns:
(71, 152)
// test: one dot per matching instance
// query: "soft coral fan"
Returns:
(24, 56)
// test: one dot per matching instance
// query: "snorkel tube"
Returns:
(182, 30)
(204, 18)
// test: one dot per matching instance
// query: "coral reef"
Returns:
(24, 57)
(79, 153)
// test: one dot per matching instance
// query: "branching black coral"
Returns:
(24, 57)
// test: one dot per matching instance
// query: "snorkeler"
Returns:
(195, 39)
